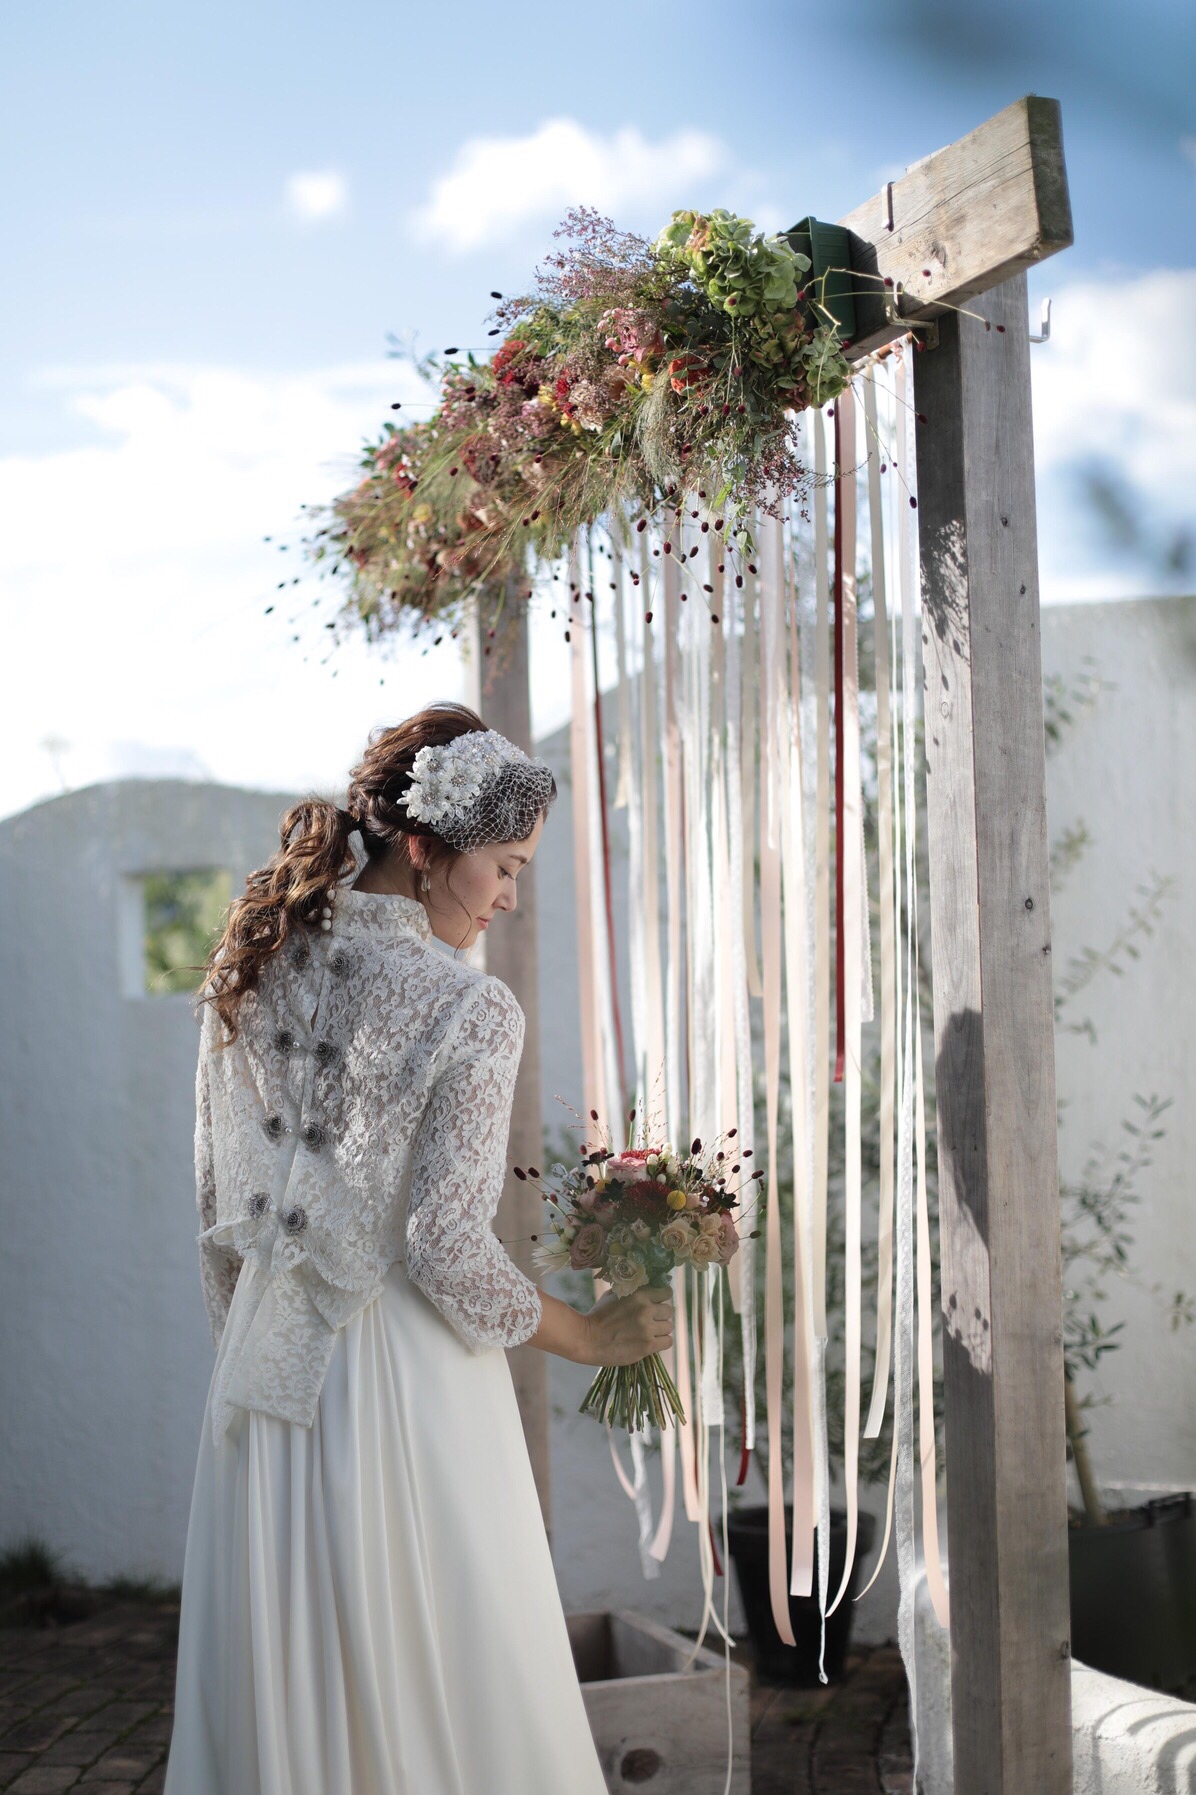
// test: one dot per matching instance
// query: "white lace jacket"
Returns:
(361, 1116)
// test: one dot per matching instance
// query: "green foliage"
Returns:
(1097, 1240)
(28, 1566)
(183, 917)
(631, 375)
(739, 270)
(146, 1591)
(1138, 923)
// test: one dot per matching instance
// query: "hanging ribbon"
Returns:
(605, 988)
(840, 796)
(771, 667)
(739, 671)
(591, 1058)
(851, 934)
(651, 1097)
(888, 924)
(820, 1045)
(931, 1555)
(785, 745)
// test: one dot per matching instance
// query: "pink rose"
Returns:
(598, 1204)
(676, 1237)
(728, 1238)
(589, 1247)
(626, 1274)
(628, 1168)
(705, 1250)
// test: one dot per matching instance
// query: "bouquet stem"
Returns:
(631, 1395)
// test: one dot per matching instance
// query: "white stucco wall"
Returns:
(104, 1348)
(1125, 1740)
(1128, 769)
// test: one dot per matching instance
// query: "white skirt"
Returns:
(369, 1604)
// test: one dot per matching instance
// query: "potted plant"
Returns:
(1133, 1568)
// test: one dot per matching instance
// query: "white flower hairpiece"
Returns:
(478, 788)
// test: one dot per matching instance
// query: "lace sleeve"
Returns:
(218, 1266)
(458, 1161)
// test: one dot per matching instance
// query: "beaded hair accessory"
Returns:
(478, 788)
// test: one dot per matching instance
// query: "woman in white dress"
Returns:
(369, 1605)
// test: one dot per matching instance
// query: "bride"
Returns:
(369, 1605)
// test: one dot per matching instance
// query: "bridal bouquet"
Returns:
(631, 1218)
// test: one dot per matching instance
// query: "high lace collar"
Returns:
(378, 915)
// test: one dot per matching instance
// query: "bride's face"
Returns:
(482, 884)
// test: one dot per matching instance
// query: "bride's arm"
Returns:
(458, 1165)
(219, 1267)
(617, 1331)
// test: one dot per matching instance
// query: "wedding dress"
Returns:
(369, 1605)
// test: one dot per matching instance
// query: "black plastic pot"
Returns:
(1133, 1593)
(747, 1535)
(830, 275)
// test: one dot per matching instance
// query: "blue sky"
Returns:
(215, 215)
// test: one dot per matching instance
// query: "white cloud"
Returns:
(498, 183)
(314, 197)
(137, 579)
(1115, 386)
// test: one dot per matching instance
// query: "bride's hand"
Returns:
(623, 1330)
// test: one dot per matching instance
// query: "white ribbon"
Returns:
(853, 930)
(772, 663)
(583, 872)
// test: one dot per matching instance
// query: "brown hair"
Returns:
(291, 890)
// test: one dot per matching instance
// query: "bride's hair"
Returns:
(291, 890)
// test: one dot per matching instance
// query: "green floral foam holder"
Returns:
(830, 275)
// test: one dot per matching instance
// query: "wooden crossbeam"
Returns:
(961, 221)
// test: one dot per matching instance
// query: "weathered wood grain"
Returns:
(994, 1040)
(504, 701)
(654, 1722)
(962, 220)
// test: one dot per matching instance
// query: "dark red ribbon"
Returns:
(745, 1452)
(840, 943)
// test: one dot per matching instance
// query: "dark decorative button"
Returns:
(272, 1128)
(338, 962)
(295, 1220)
(284, 1041)
(259, 1202)
(326, 1053)
(315, 1135)
(300, 955)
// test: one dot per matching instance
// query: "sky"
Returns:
(216, 217)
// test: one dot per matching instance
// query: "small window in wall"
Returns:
(171, 920)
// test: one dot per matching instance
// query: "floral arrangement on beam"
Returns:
(632, 373)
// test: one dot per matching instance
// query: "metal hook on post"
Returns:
(1046, 324)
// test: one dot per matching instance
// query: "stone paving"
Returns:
(849, 1738)
(87, 1705)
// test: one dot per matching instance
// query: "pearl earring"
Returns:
(424, 883)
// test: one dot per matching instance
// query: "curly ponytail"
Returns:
(291, 890)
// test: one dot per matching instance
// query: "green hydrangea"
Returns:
(737, 267)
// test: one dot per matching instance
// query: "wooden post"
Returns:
(994, 1047)
(503, 700)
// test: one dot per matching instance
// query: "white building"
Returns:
(104, 1350)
